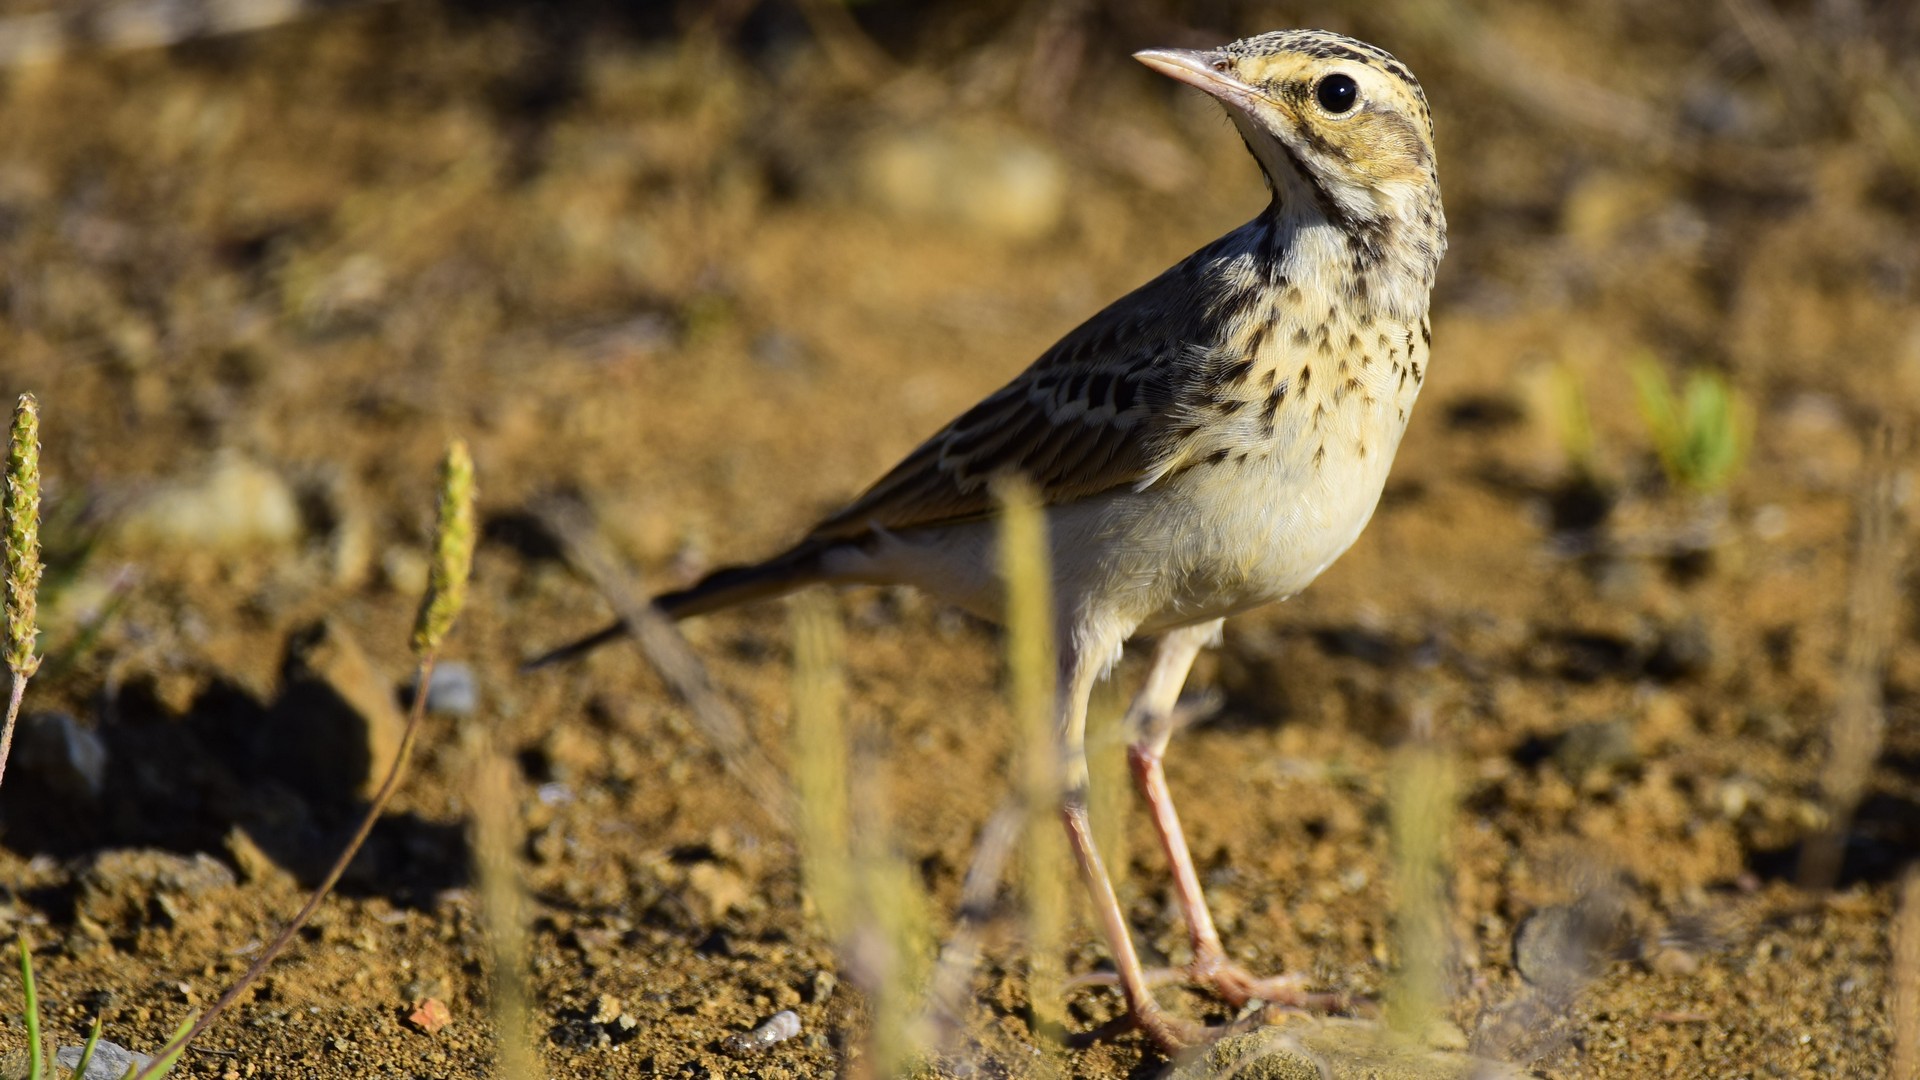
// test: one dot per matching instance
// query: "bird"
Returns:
(1207, 444)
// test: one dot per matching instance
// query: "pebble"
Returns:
(1595, 747)
(66, 759)
(777, 1029)
(1563, 947)
(991, 181)
(236, 504)
(128, 884)
(1333, 1049)
(452, 690)
(111, 1061)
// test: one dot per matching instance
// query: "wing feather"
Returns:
(1102, 409)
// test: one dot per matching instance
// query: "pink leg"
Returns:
(1151, 719)
(1169, 1032)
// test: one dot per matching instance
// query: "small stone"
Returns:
(1683, 651)
(1334, 1049)
(1565, 946)
(822, 986)
(121, 887)
(1597, 747)
(452, 690)
(235, 505)
(111, 1061)
(607, 1009)
(716, 890)
(65, 759)
(1673, 960)
(404, 570)
(777, 1029)
(989, 180)
(430, 1015)
(256, 866)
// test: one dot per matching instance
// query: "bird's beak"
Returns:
(1207, 69)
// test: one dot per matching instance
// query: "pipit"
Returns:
(1209, 443)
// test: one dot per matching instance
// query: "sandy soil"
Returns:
(686, 280)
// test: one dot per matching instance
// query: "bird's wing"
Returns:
(1106, 407)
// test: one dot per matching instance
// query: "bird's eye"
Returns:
(1337, 93)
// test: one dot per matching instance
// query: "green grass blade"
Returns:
(36, 1063)
(86, 1052)
(165, 1065)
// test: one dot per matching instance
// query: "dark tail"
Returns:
(721, 589)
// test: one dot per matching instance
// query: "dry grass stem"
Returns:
(1421, 792)
(951, 990)
(820, 761)
(572, 525)
(21, 524)
(453, 539)
(503, 899)
(1903, 980)
(1873, 615)
(1030, 677)
(456, 488)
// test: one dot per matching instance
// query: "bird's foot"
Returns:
(1171, 1034)
(1235, 985)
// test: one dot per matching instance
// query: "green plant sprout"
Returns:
(1702, 436)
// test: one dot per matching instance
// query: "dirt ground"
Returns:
(714, 277)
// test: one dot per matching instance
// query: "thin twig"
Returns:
(422, 679)
(572, 524)
(953, 973)
(14, 695)
(1859, 721)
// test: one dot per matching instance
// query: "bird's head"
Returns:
(1334, 122)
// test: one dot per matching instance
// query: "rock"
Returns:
(430, 1015)
(1596, 747)
(65, 760)
(715, 890)
(1333, 1049)
(111, 1061)
(1563, 947)
(256, 866)
(990, 180)
(236, 504)
(451, 690)
(405, 570)
(129, 886)
(340, 722)
(777, 1029)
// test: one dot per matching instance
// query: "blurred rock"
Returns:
(111, 1061)
(339, 719)
(65, 760)
(1333, 1049)
(405, 570)
(125, 886)
(236, 504)
(715, 890)
(991, 180)
(256, 866)
(1683, 651)
(451, 689)
(1563, 947)
(1597, 747)
(777, 351)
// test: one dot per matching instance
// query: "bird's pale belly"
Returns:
(1208, 542)
(1245, 537)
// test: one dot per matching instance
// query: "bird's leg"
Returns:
(1079, 669)
(1151, 719)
